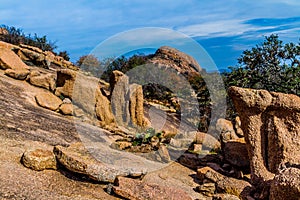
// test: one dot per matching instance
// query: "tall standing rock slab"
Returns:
(136, 105)
(271, 124)
(119, 98)
(103, 109)
(127, 101)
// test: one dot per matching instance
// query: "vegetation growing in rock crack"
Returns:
(146, 136)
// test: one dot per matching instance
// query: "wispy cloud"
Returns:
(221, 28)
(80, 25)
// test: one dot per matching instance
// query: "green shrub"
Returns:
(17, 36)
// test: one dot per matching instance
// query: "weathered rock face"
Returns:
(103, 109)
(136, 189)
(10, 60)
(39, 159)
(20, 74)
(176, 59)
(85, 93)
(48, 100)
(14, 66)
(65, 83)
(271, 124)
(286, 184)
(235, 152)
(22, 123)
(46, 80)
(33, 54)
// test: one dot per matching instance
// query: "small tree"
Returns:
(88, 61)
(271, 65)
(65, 55)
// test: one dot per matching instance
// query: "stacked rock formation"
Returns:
(271, 124)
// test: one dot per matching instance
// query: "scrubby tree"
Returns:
(17, 36)
(65, 55)
(272, 65)
(88, 61)
(122, 64)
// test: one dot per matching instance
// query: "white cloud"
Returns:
(220, 28)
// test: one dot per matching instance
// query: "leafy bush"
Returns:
(65, 55)
(145, 137)
(123, 64)
(272, 65)
(17, 36)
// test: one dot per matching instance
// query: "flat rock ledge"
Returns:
(77, 159)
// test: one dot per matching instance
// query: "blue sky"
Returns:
(223, 28)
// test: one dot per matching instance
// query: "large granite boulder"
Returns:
(12, 64)
(86, 93)
(271, 125)
(48, 100)
(66, 109)
(10, 60)
(20, 74)
(44, 80)
(39, 159)
(180, 61)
